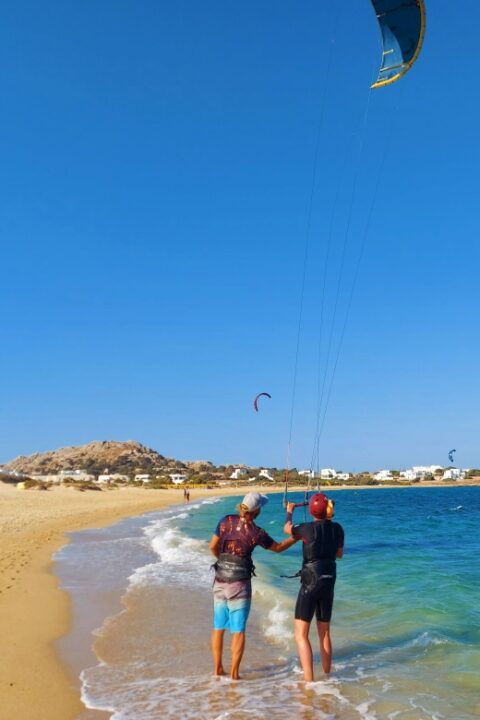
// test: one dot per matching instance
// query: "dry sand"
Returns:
(34, 612)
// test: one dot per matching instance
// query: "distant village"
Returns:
(109, 464)
(330, 476)
(232, 476)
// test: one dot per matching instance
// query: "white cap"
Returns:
(254, 501)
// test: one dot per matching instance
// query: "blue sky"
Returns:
(157, 162)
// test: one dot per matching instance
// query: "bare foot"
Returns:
(218, 672)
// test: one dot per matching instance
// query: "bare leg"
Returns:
(238, 646)
(217, 648)
(301, 629)
(325, 645)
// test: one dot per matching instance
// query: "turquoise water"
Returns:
(406, 624)
(407, 606)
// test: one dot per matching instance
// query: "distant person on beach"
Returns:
(187, 495)
(322, 542)
(234, 540)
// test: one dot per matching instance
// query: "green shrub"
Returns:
(82, 485)
(30, 484)
(156, 484)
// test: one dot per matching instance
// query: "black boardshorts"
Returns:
(318, 602)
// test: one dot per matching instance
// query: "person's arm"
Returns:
(340, 553)
(267, 542)
(215, 545)
(287, 528)
(281, 546)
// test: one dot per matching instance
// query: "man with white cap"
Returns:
(234, 540)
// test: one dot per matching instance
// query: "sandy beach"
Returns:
(34, 612)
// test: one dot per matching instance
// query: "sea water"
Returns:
(406, 623)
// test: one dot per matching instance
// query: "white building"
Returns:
(307, 473)
(343, 476)
(383, 476)
(409, 474)
(264, 473)
(80, 475)
(328, 473)
(142, 477)
(422, 470)
(178, 478)
(53, 479)
(60, 477)
(453, 474)
(107, 477)
(238, 473)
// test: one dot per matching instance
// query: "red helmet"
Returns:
(318, 505)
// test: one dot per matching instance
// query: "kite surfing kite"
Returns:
(262, 394)
(402, 30)
(402, 26)
(450, 455)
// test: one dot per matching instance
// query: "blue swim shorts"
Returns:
(231, 605)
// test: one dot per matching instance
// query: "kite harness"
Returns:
(319, 556)
(230, 568)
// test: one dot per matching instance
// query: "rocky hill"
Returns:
(118, 457)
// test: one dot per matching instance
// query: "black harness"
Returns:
(315, 575)
(229, 568)
(319, 567)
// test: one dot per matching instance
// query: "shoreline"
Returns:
(35, 612)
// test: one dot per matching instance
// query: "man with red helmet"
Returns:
(323, 542)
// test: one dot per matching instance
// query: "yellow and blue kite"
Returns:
(402, 25)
